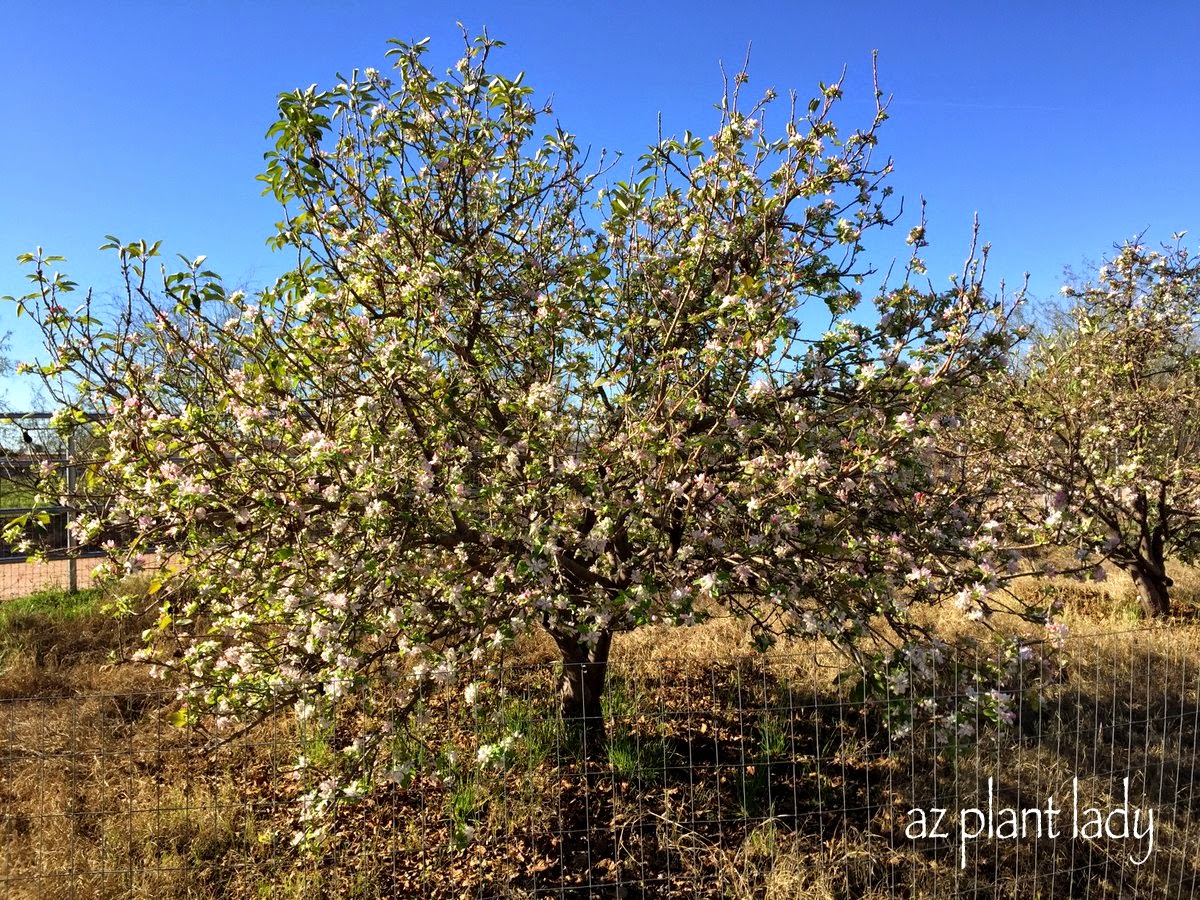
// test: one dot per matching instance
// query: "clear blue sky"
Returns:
(1066, 126)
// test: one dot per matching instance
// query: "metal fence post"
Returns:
(72, 561)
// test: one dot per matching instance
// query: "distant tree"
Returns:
(1100, 420)
(494, 396)
(6, 366)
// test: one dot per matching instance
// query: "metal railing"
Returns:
(29, 442)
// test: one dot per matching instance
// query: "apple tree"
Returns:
(503, 389)
(1098, 421)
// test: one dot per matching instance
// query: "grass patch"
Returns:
(54, 603)
(55, 642)
(16, 494)
(35, 625)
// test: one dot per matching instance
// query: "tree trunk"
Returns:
(585, 667)
(1150, 579)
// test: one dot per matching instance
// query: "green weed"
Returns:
(55, 603)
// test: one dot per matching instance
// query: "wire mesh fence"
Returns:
(19, 578)
(729, 776)
(40, 553)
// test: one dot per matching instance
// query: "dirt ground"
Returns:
(19, 579)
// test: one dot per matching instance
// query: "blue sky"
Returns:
(1066, 126)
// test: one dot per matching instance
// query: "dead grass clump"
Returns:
(721, 636)
(1185, 593)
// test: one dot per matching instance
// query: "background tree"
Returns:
(493, 396)
(1101, 418)
(5, 364)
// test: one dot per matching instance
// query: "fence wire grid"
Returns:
(29, 441)
(738, 776)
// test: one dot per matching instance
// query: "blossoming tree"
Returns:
(494, 395)
(1100, 417)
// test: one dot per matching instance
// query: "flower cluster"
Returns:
(952, 695)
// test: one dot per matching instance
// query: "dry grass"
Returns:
(100, 796)
(728, 775)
